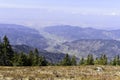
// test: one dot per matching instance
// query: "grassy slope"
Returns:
(60, 73)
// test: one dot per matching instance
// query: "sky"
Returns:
(39, 13)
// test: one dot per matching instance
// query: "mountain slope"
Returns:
(84, 41)
(96, 47)
(51, 57)
(19, 34)
(63, 39)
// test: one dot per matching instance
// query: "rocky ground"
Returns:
(60, 73)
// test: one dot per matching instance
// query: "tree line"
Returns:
(90, 60)
(8, 57)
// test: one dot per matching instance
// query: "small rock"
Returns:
(99, 69)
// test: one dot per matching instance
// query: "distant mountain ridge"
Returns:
(76, 33)
(83, 41)
(63, 39)
(19, 34)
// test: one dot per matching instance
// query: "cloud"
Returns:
(12, 6)
(88, 12)
(114, 14)
(67, 10)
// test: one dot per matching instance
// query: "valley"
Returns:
(59, 40)
(63, 39)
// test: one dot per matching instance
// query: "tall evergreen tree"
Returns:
(113, 62)
(82, 61)
(116, 60)
(66, 61)
(96, 61)
(90, 60)
(31, 58)
(1, 55)
(8, 53)
(15, 60)
(36, 57)
(42, 61)
(22, 59)
(103, 60)
(73, 61)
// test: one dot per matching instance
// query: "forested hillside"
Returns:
(54, 42)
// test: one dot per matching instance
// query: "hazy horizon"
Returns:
(102, 14)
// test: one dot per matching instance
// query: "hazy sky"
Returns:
(85, 13)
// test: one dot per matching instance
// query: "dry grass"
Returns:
(60, 73)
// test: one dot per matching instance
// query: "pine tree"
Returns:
(116, 60)
(90, 60)
(96, 61)
(36, 57)
(73, 61)
(15, 59)
(82, 61)
(103, 59)
(22, 60)
(113, 61)
(42, 61)
(1, 56)
(31, 58)
(66, 61)
(7, 52)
